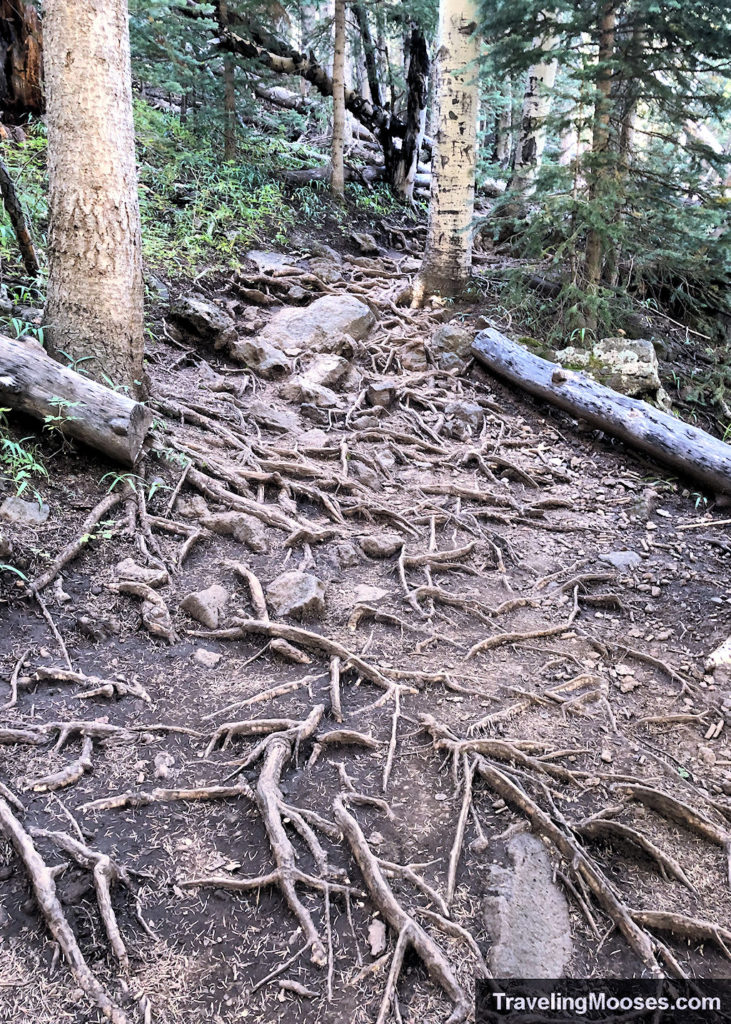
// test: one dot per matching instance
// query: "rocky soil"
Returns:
(375, 679)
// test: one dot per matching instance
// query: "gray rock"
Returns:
(629, 365)
(621, 559)
(23, 513)
(365, 242)
(364, 474)
(261, 356)
(267, 262)
(297, 594)
(205, 319)
(316, 383)
(328, 270)
(270, 416)
(302, 391)
(243, 528)
(527, 915)
(208, 659)
(462, 419)
(6, 547)
(194, 507)
(366, 594)
(451, 340)
(320, 326)
(157, 287)
(382, 393)
(382, 545)
(413, 356)
(206, 606)
(345, 554)
(129, 571)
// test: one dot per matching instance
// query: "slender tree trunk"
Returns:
(504, 127)
(448, 256)
(94, 309)
(536, 108)
(229, 91)
(369, 52)
(600, 139)
(18, 219)
(417, 84)
(337, 179)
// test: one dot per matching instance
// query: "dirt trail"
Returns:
(508, 599)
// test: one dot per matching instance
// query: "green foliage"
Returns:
(19, 461)
(26, 163)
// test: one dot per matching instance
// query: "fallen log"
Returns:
(690, 451)
(33, 383)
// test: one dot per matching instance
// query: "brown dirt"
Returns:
(213, 945)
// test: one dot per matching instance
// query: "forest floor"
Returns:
(516, 617)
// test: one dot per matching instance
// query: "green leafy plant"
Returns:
(19, 462)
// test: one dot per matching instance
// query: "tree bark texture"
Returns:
(337, 167)
(600, 138)
(94, 309)
(229, 91)
(504, 127)
(690, 451)
(536, 108)
(18, 219)
(21, 61)
(81, 408)
(417, 96)
(448, 256)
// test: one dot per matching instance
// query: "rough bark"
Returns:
(229, 90)
(504, 128)
(94, 309)
(21, 64)
(81, 408)
(417, 86)
(536, 108)
(690, 451)
(337, 168)
(448, 256)
(369, 53)
(600, 138)
(18, 219)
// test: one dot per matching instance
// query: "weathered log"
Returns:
(108, 420)
(690, 451)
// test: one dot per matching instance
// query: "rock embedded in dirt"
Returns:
(364, 474)
(413, 356)
(206, 658)
(366, 594)
(344, 554)
(6, 547)
(463, 419)
(317, 327)
(268, 262)
(163, 763)
(450, 345)
(365, 242)
(381, 393)
(305, 392)
(206, 606)
(194, 507)
(629, 365)
(297, 594)
(328, 270)
(527, 915)
(316, 383)
(621, 559)
(273, 418)
(376, 937)
(261, 356)
(204, 319)
(129, 570)
(24, 513)
(243, 528)
(382, 545)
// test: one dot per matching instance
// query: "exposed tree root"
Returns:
(94, 686)
(136, 798)
(68, 775)
(686, 928)
(409, 932)
(44, 889)
(609, 831)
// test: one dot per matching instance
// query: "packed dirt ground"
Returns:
(497, 621)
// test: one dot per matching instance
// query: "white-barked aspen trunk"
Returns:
(536, 108)
(337, 178)
(448, 256)
(94, 308)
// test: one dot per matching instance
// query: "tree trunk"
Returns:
(229, 90)
(600, 140)
(21, 61)
(691, 451)
(448, 256)
(337, 178)
(77, 406)
(417, 85)
(19, 221)
(504, 127)
(533, 132)
(94, 309)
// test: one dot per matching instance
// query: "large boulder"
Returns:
(323, 326)
(204, 319)
(628, 365)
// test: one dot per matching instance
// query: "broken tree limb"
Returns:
(690, 451)
(18, 219)
(107, 420)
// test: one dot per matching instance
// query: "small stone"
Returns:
(381, 393)
(413, 356)
(206, 606)
(324, 370)
(60, 595)
(323, 326)
(24, 513)
(365, 242)
(6, 547)
(376, 937)
(204, 319)
(243, 528)
(297, 594)
(621, 559)
(450, 344)
(655, 592)
(194, 507)
(261, 356)
(364, 474)
(208, 659)
(270, 416)
(707, 755)
(365, 594)
(376, 839)
(607, 756)
(300, 391)
(163, 764)
(382, 545)
(345, 554)
(469, 413)
(129, 571)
